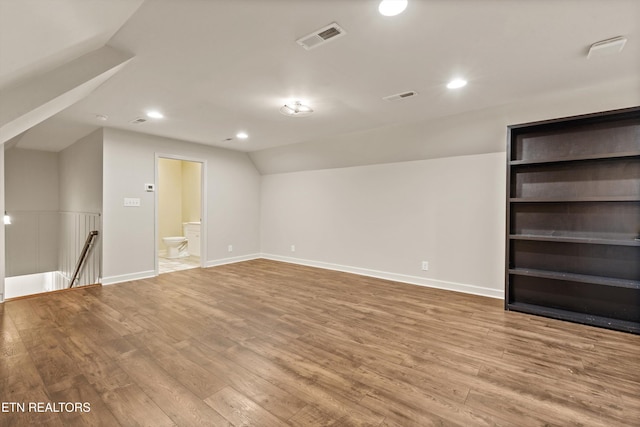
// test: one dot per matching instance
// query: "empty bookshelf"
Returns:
(573, 219)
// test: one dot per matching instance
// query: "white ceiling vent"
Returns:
(321, 36)
(399, 96)
(138, 121)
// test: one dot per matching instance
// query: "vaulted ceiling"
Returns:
(221, 66)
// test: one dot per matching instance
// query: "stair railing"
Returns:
(83, 256)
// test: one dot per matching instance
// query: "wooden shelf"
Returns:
(574, 199)
(582, 278)
(601, 321)
(567, 239)
(604, 156)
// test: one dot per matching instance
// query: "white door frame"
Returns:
(203, 206)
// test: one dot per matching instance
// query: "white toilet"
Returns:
(176, 246)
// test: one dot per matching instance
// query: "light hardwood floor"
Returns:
(264, 343)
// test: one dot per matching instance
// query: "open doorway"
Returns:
(180, 205)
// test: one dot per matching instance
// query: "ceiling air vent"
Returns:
(321, 36)
(402, 95)
(138, 121)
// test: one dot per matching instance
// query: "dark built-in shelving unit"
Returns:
(573, 219)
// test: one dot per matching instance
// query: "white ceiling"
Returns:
(220, 66)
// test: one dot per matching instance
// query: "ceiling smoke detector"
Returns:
(607, 47)
(296, 109)
(321, 36)
(399, 96)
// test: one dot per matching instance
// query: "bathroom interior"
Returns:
(179, 214)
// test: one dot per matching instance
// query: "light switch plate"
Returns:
(131, 202)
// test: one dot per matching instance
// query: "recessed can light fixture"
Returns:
(155, 114)
(456, 83)
(392, 7)
(242, 135)
(102, 117)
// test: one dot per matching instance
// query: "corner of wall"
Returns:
(2, 238)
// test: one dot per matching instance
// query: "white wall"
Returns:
(80, 168)
(31, 199)
(437, 194)
(2, 238)
(31, 180)
(80, 205)
(384, 220)
(233, 202)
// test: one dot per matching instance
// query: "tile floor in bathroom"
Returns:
(167, 265)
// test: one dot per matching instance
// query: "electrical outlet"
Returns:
(230, 248)
(293, 248)
(131, 202)
(425, 265)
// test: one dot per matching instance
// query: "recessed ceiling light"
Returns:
(392, 7)
(102, 117)
(456, 83)
(242, 135)
(155, 114)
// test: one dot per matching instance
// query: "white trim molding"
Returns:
(128, 277)
(232, 260)
(403, 278)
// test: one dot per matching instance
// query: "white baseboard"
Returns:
(232, 260)
(396, 277)
(128, 277)
(413, 280)
(151, 273)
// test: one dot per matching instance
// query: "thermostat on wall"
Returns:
(150, 187)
